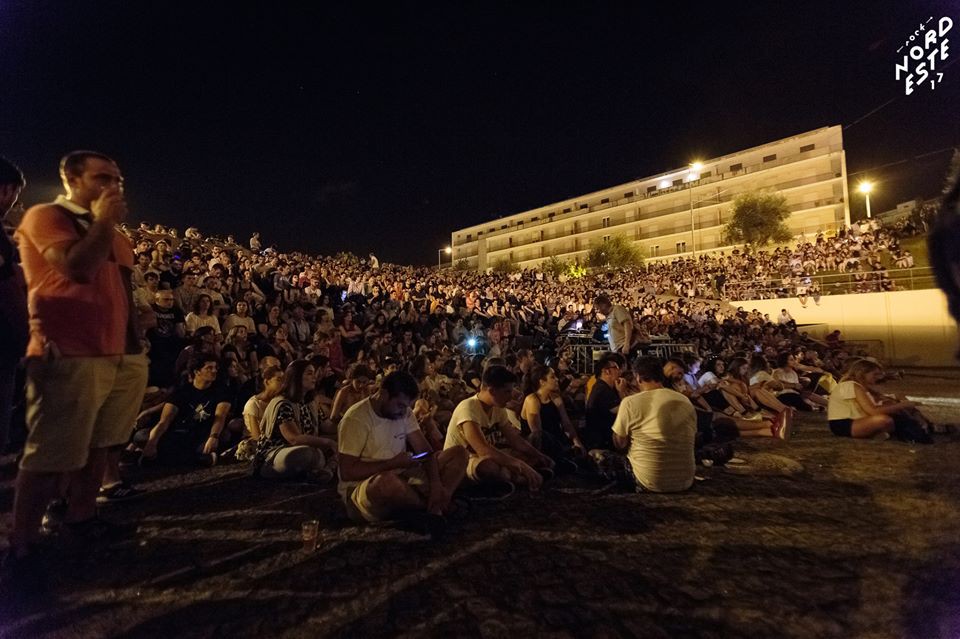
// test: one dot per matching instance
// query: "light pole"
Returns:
(447, 250)
(866, 188)
(695, 168)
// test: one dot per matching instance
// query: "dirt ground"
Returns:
(818, 537)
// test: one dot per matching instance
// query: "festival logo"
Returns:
(923, 54)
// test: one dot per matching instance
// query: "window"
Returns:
(606, 238)
(807, 147)
(470, 236)
(678, 182)
(770, 158)
(502, 227)
(583, 206)
(534, 219)
(566, 210)
(736, 167)
(605, 200)
(520, 223)
(510, 242)
(651, 189)
(551, 215)
(681, 247)
(628, 194)
(606, 222)
(655, 250)
(706, 174)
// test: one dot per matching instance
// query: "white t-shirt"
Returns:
(255, 408)
(617, 335)
(472, 410)
(843, 402)
(662, 427)
(708, 378)
(786, 375)
(367, 436)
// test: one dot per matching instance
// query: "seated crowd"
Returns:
(404, 386)
(310, 367)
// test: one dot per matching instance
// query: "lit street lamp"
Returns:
(447, 250)
(866, 188)
(693, 174)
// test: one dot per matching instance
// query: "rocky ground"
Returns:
(819, 537)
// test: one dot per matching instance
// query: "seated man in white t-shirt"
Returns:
(498, 452)
(380, 478)
(657, 428)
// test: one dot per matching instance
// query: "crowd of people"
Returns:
(866, 251)
(406, 387)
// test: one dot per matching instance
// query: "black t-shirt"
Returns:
(600, 420)
(166, 329)
(196, 409)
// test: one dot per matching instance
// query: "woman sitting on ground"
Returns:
(545, 417)
(761, 377)
(289, 444)
(852, 412)
(254, 409)
(787, 375)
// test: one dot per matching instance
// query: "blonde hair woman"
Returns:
(852, 412)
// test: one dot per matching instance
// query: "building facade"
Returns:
(677, 213)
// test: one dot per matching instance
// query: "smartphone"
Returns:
(343, 296)
(420, 456)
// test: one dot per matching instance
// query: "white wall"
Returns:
(915, 326)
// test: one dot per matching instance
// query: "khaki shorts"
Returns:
(78, 403)
(361, 509)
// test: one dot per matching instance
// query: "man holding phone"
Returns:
(86, 371)
(380, 479)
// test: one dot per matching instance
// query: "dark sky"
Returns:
(335, 128)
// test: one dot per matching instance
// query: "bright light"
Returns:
(664, 184)
(865, 187)
(448, 250)
(472, 342)
(696, 166)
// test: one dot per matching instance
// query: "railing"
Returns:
(907, 279)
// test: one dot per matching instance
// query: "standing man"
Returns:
(13, 310)
(86, 372)
(619, 325)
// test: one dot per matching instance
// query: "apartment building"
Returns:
(679, 212)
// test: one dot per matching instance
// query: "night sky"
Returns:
(384, 129)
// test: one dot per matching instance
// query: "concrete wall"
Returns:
(914, 326)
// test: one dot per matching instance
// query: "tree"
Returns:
(617, 252)
(461, 265)
(758, 219)
(505, 266)
(555, 266)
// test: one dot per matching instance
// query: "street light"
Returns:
(695, 168)
(447, 250)
(866, 188)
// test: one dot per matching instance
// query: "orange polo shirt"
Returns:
(82, 320)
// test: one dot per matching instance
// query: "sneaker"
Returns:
(118, 492)
(753, 417)
(53, 517)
